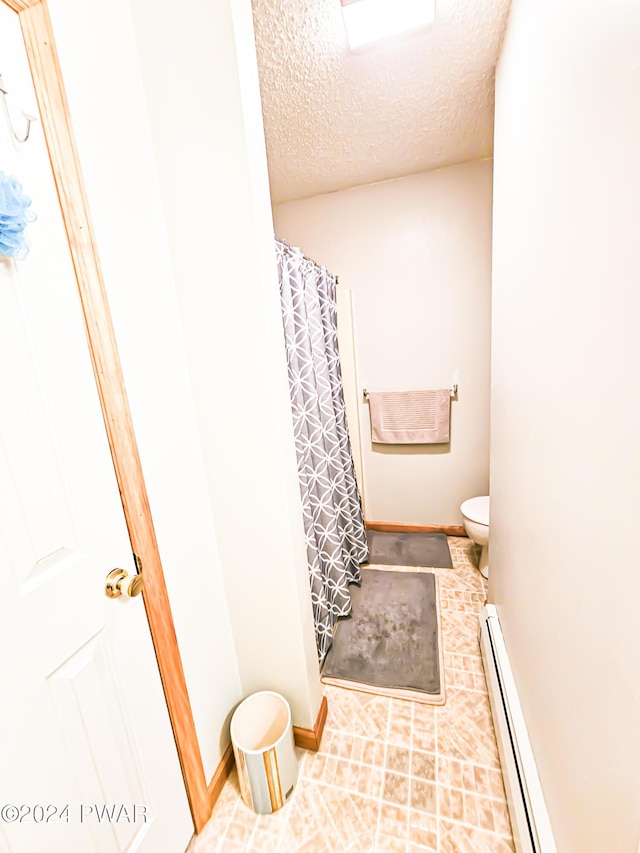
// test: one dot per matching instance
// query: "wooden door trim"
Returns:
(56, 123)
(221, 774)
(401, 527)
(310, 738)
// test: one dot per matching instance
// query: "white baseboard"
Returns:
(527, 809)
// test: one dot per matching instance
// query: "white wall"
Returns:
(201, 83)
(109, 116)
(565, 446)
(416, 253)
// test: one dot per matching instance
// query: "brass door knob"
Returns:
(119, 582)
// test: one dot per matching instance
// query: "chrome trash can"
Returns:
(262, 738)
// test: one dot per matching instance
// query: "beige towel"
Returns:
(410, 417)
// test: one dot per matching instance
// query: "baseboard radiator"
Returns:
(529, 819)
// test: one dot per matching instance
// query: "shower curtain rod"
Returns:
(311, 261)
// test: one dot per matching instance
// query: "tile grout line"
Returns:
(410, 783)
(477, 828)
(397, 772)
(334, 787)
(384, 768)
(424, 751)
(223, 837)
(253, 832)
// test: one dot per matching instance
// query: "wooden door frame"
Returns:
(56, 123)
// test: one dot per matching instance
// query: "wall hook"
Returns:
(29, 118)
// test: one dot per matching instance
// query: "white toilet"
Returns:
(475, 513)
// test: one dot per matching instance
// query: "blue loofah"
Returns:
(14, 217)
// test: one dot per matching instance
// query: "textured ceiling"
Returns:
(336, 119)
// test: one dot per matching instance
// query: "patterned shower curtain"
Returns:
(333, 520)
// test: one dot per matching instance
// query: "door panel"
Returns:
(88, 700)
(87, 760)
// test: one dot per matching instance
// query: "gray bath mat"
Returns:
(390, 644)
(409, 549)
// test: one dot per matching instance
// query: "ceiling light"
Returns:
(367, 21)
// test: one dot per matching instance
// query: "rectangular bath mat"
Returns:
(390, 644)
(430, 550)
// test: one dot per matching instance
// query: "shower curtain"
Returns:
(334, 524)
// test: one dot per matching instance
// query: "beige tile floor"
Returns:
(393, 775)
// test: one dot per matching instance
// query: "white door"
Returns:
(87, 756)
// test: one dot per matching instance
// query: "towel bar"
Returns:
(453, 391)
